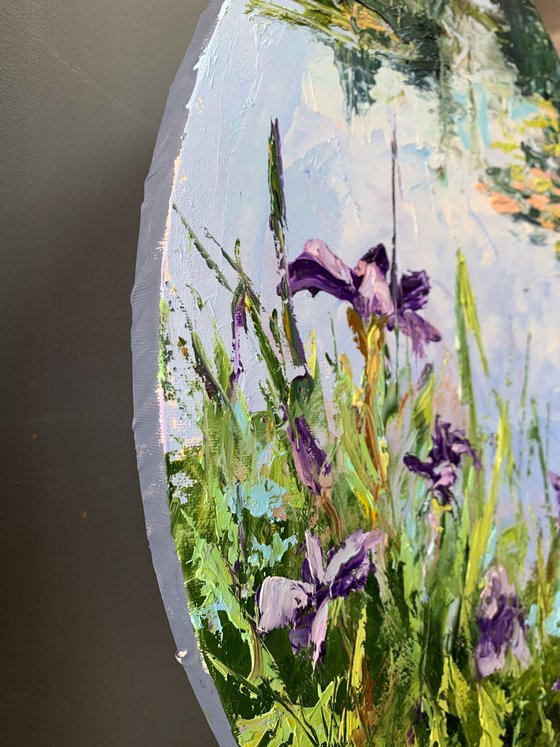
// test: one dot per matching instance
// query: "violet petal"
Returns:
(281, 601)
(300, 634)
(319, 631)
(445, 477)
(350, 565)
(419, 330)
(418, 466)
(374, 294)
(414, 289)
(501, 624)
(313, 571)
(318, 269)
(377, 255)
(489, 658)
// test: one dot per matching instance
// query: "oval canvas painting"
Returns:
(347, 372)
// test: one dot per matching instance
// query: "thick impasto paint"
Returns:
(359, 372)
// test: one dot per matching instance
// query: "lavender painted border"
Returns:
(145, 301)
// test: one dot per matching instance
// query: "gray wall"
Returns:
(88, 657)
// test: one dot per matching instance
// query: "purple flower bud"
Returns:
(239, 322)
(310, 460)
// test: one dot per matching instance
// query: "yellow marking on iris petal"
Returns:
(439, 510)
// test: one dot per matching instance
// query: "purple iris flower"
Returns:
(444, 458)
(556, 686)
(304, 605)
(501, 624)
(367, 288)
(311, 462)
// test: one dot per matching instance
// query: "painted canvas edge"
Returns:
(145, 348)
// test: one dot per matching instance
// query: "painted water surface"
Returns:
(359, 372)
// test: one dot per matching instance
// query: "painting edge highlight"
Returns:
(145, 298)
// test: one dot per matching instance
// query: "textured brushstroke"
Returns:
(359, 484)
(310, 460)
